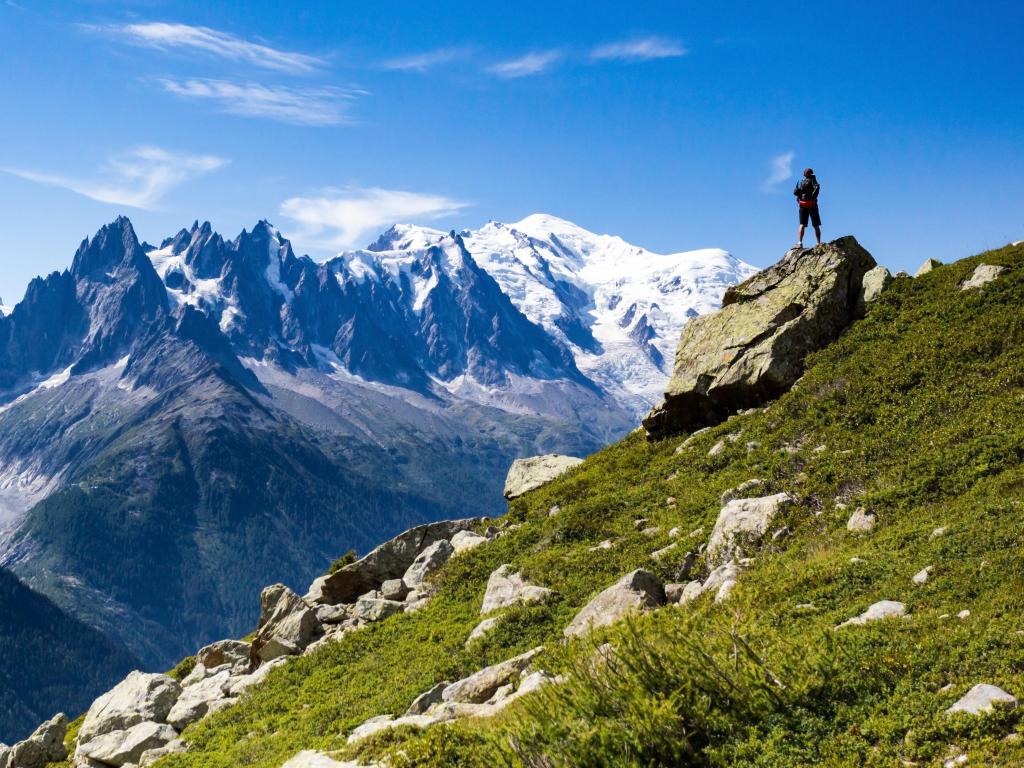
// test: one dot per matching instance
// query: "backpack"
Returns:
(807, 190)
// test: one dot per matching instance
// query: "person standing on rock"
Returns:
(806, 192)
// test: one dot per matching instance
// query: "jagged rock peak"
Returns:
(753, 348)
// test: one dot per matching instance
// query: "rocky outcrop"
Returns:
(287, 625)
(506, 587)
(927, 266)
(121, 747)
(528, 474)
(138, 698)
(753, 349)
(637, 591)
(744, 522)
(426, 562)
(45, 745)
(388, 561)
(883, 609)
(873, 285)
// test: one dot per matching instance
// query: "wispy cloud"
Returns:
(326, 105)
(781, 169)
(421, 62)
(524, 66)
(343, 218)
(639, 49)
(139, 178)
(165, 36)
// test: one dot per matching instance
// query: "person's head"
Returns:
(808, 172)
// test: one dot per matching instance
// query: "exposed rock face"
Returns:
(233, 652)
(195, 700)
(744, 521)
(388, 561)
(980, 700)
(45, 745)
(505, 588)
(753, 349)
(636, 591)
(983, 275)
(528, 474)
(927, 266)
(138, 698)
(287, 625)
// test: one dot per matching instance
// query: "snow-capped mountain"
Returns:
(207, 412)
(618, 308)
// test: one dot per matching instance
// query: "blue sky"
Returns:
(672, 124)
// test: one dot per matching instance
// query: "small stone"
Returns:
(483, 628)
(861, 521)
(394, 589)
(670, 501)
(940, 531)
(857, 560)
(651, 531)
(640, 523)
(717, 448)
(781, 533)
(553, 511)
(981, 700)
(963, 614)
(927, 266)
(674, 533)
(752, 446)
(463, 541)
(427, 699)
(884, 609)
(922, 576)
(808, 607)
(606, 544)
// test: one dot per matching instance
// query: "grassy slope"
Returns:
(920, 408)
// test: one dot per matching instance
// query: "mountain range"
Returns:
(181, 424)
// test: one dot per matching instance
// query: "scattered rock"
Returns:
(138, 698)
(741, 491)
(480, 686)
(428, 561)
(606, 544)
(233, 652)
(884, 609)
(310, 759)
(742, 522)
(120, 747)
(927, 266)
(983, 275)
(981, 699)
(875, 281)
(483, 628)
(963, 614)
(505, 588)
(651, 531)
(195, 700)
(857, 560)
(553, 512)
(242, 683)
(861, 521)
(150, 756)
(659, 554)
(528, 474)
(767, 325)
(717, 448)
(333, 614)
(940, 531)
(674, 533)
(376, 608)
(287, 625)
(636, 591)
(427, 699)
(388, 561)
(640, 523)
(922, 576)
(397, 589)
(45, 745)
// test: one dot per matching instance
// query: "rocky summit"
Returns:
(753, 349)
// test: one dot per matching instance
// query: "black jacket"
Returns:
(807, 189)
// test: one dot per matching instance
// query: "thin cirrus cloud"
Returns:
(324, 105)
(639, 49)
(343, 218)
(781, 170)
(165, 36)
(421, 62)
(524, 66)
(139, 178)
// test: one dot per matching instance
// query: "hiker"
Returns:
(806, 192)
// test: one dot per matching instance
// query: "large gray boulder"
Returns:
(983, 275)
(744, 522)
(120, 747)
(481, 685)
(287, 625)
(233, 652)
(388, 561)
(883, 609)
(45, 745)
(637, 591)
(528, 474)
(139, 698)
(753, 349)
(506, 587)
(195, 700)
(873, 285)
(426, 562)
